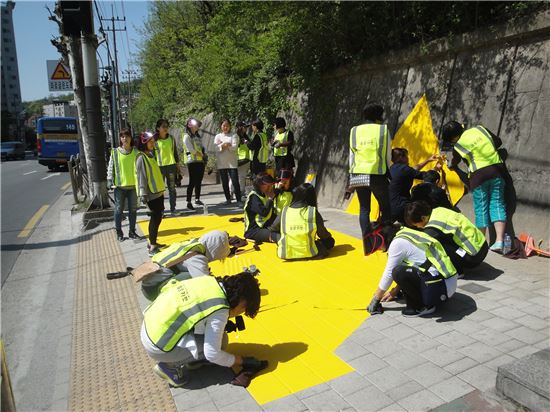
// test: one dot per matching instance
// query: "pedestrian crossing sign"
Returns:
(59, 76)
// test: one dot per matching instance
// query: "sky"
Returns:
(33, 32)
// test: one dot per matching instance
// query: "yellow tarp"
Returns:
(417, 136)
(308, 308)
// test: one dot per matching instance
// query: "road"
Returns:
(28, 189)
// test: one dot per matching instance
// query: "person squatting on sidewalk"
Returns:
(194, 158)
(186, 325)
(227, 160)
(167, 158)
(150, 187)
(121, 174)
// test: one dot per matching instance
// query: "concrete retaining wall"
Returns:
(498, 78)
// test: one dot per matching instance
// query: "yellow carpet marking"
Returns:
(33, 221)
(308, 308)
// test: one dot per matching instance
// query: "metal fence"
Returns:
(79, 180)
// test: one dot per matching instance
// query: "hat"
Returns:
(284, 175)
(267, 180)
(240, 123)
(146, 136)
(193, 122)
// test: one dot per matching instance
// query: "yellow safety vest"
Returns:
(464, 233)
(124, 167)
(432, 248)
(263, 152)
(282, 200)
(244, 152)
(476, 146)
(368, 149)
(282, 138)
(193, 157)
(176, 250)
(298, 231)
(164, 149)
(260, 220)
(179, 306)
(155, 181)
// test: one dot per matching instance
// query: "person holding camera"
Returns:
(186, 325)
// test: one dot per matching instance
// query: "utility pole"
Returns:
(128, 74)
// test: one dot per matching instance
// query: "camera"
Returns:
(252, 269)
(237, 325)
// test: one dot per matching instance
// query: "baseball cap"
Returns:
(284, 175)
(146, 136)
(267, 180)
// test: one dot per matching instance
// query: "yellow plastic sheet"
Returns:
(308, 307)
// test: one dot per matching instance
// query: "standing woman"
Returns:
(121, 173)
(167, 158)
(283, 140)
(228, 161)
(150, 187)
(259, 146)
(194, 159)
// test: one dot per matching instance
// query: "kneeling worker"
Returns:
(259, 212)
(463, 242)
(300, 224)
(186, 324)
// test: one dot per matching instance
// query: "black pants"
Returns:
(196, 173)
(256, 167)
(284, 162)
(379, 187)
(418, 293)
(225, 175)
(169, 173)
(262, 235)
(156, 207)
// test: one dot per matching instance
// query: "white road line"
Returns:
(28, 173)
(52, 175)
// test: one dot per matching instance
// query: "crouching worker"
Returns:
(283, 191)
(463, 242)
(185, 325)
(300, 224)
(419, 266)
(186, 259)
(259, 212)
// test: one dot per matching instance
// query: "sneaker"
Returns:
(227, 202)
(190, 206)
(160, 245)
(173, 213)
(497, 247)
(460, 276)
(174, 376)
(199, 203)
(414, 313)
(134, 235)
(120, 236)
(240, 204)
(196, 364)
(152, 250)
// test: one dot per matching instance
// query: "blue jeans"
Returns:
(121, 196)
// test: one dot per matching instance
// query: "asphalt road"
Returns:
(26, 188)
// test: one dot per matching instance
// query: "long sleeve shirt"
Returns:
(189, 147)
(227, 157)
(142, 181)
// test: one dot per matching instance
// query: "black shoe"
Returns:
(199, 203)
(414, 313)
(134, 235)
(120, 236)
(190, 206)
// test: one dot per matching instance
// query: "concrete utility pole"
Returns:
(128, 74)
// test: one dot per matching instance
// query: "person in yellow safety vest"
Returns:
(259, 212)
(195, 158)
(282, 144)
(302, 231)
(259, 146)
(186, 259)
(463, 242)
(150, 187)
(369, 155)
(184, 327)
(167, 159)
(121, 174)
(419, 266)
(243, 153)
(477, 146)
(283, 191)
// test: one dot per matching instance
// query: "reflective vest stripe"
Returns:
(151, 178)
(124, 168)
(466, 154)
(165, 151)
(354, 146)
(311, 232)
(185, 315)
(263, 153)
(115, 167)
(281, 200)
(283, 138)
(197, 155)
(381, 151)
(283, 238)
(177, 249)
(445, 227)
(368, 149)
(154, 176)
(244, 152)
(477, 147)
(260, 220)
(298, 232)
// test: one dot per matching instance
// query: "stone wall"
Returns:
(497, 78)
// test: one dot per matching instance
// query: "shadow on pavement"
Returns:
(483, 272)
(179, 231)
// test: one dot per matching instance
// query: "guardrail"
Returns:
(79, 180)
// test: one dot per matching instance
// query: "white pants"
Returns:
(243, 172)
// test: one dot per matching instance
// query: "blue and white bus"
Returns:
(56, 140)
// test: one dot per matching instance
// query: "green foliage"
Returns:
(244, 59)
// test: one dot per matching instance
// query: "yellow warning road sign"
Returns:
(59, 76)
(61, 72)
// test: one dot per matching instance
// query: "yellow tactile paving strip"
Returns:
(109, 368)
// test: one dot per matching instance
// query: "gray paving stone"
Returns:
(480, 315)
(384, 347)
(506, 313)
(451, 389)
(524, 351)
(190, 399)
(500, 324)
(350, 350)
(203, 407)
(500, 286)
(467, 326)
(394, 407)
(399, 332)
(510, 345)
(404, 359)
(404, 390)
(433, 329)
(501, 360)
(480, 352)
(543, 344)
(365, 336)
(487, 304)
(480, 376)
(533, 322)
(491, 337)
(528, 335)
(369, 399)
(455, 339)
(248, 404)
(349, 383)
(380, 322)
(367, 364)
(227, 395)
(421, 401)
(288, 403)
(313, 390)
(442, 355)
(536, 310)
(522, 294)
(420, 343)
(428, 374)
(387, 378)
(326, 401)
(541, 300)
(460, 366)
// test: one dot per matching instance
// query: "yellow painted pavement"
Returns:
(308, 307)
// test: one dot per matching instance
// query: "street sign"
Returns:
(59, 76)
